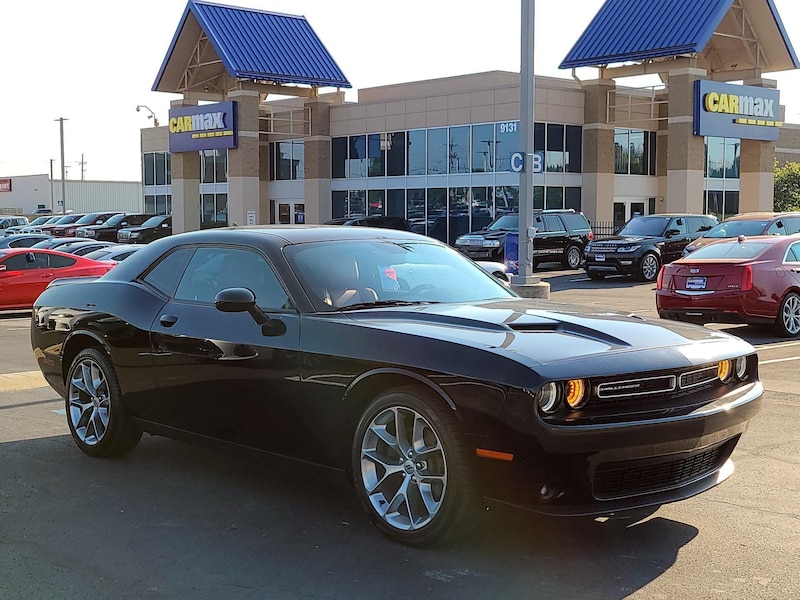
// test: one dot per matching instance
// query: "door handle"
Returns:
(795, 270)
(168, 320)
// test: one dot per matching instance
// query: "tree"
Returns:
(787, 186)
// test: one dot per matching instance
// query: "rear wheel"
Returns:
(648, 267)
(788, 320)
(412, 470)
(572, 257)
(96, 417)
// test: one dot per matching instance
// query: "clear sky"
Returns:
(93, 61)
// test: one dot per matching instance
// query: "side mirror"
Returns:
(2, 268)
(672, 232)
(165, 225)
(239, 300)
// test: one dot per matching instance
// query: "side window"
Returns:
(776, 228)
(792, 225)
(679, 224)
(59, 262)
(553, 223)
(538, 222)
(167, 273)
(215, 269)
(18, 262)
(793, 255)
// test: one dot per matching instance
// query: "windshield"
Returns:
(645, 226)
(99, 254)
(730, 229)
(68, 219)
(115, 220)
(505, 223)
(40, 220)
(154, 221)
(88, 219)
(379, 272)
(719, 250)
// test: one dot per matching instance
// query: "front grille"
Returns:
(603, 248)
(629, 388)
(619, 480)
(700, 377)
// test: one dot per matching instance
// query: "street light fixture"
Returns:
(152, 115)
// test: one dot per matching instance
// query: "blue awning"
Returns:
(255, 45)
(632, 30)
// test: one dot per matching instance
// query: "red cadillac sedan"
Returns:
(26, 272)
(745, 280)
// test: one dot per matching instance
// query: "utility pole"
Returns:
(52, 201)
(83, 168)
(63, 168)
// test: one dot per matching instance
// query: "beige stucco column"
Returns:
(318, 162)
(597, 198)
(757, 167)
(244, 160)
(685, 151)
(185, 185)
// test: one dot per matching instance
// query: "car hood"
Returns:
(554, 338)
(487, 234)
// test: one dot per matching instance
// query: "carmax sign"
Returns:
(736, 111)
(206, 127)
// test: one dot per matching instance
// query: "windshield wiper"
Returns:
(381, 303)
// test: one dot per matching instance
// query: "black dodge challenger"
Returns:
(397, 359)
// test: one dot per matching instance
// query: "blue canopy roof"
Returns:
(632, 30)
(259, 45)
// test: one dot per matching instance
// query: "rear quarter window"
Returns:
(168, 271)
(576, 222)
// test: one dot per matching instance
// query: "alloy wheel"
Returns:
(403, 468)
(88, 401)
(649, 267)
(790, 314)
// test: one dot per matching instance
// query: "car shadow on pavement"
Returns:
(182, 521)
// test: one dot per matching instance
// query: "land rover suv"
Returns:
(644, 244)
(561, 236)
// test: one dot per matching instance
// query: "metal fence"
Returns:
(603, 229)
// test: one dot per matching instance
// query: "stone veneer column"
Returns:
(244, 161)
(318, 162)
(597, 197)
(685, 151)
(185, 185)
(757, 167)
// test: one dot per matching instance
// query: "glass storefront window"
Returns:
(338, 204)
(416, 210)
(574, 149)
(554, 197)
(458, 213)
(437, 151)
(357, 203)
(637, 164)
(715, 157)
(396, 203)
(284, 166)
(417, 143)
(437, 214)
(732, 149)
(483, 146)
(621, 150)
(554, 157)
(506, 142)
(376, 154)
(339, 157)
(458, 150)
(506, 199)
(482, 206)
(396, 153)
(161, 168)
(298, 159)
(572, 198)
(149, 166)
(538, 197)
(376, 202)
(207, 166)
(357, 161)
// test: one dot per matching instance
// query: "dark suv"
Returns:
(156, 227)
(561, 235)
(372, 221)
(644, 244)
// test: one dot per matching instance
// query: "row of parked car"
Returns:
(103, 226)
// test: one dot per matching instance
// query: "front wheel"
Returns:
(96, 417)
(412, 470)
(788, 321)
(572, 258)
(648, 267)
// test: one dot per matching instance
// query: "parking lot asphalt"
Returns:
(174, 520)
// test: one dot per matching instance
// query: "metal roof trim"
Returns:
(774, 10)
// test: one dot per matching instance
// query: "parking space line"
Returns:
(778, 360)
(769, 346)
(27, 380)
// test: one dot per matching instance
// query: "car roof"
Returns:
(758, 216)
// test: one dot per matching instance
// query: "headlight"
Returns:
(460, 242)
(740, 368)
(491, 243)
(575, 395)
(633, 248)
(134, 234)
(725, 370)
(547, 398)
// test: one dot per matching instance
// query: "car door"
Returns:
(550, 233)
(221, 374)
(678, 238)
(25, 276)
(792, 263)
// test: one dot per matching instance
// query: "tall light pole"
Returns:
(526, 122)
(52, 208)
(63, 170)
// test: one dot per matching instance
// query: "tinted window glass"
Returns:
(18, 263)
(792, 225)
(575, 222)
(60, 262)
(167, 273)
(776, 228)
(794, 253)
(553, 223)
(214, 269)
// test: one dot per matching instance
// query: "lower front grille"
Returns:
(620, 480)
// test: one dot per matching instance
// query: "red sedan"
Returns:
(746, 280)
(26, 272)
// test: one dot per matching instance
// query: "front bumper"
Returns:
(612, 265)
(607, 468)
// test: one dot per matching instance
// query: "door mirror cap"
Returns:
(239, 300)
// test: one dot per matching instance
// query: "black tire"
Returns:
(95, 414)
(649, 267)
(787, 322)
(437, 465)
(595, 275)
(573, 257)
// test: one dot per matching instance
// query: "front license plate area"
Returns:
(600, 257)
(695, 283)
